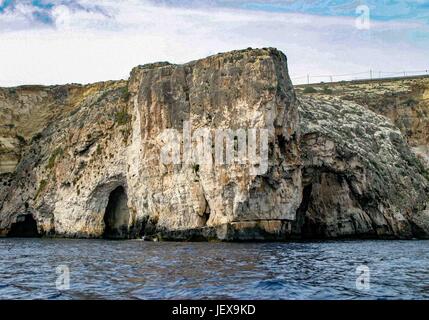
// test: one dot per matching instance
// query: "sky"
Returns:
(82, 41)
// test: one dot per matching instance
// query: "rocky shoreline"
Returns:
(84, 160)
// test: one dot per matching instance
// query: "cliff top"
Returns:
(234, 54)
(405, 101)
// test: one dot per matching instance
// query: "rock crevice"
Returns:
(85, 161)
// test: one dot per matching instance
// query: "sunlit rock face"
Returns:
(109, 136)
(87, 161)
(237, 90)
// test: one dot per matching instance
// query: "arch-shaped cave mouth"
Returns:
(24, 227)
(116, 217)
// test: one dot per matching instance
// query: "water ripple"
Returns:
(144, 270)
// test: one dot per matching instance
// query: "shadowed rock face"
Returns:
(117, 215)
(24, 226)
(360, 178)
(405, 101)
(85, 161)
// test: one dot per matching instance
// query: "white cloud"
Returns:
(96, 45)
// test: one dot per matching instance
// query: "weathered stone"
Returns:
(360, 178)
(110, 138)
(85, 161)
(405, 101)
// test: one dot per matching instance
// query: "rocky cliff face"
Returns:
(360, 178)
(95, 169)
(405, 101)
(86, 161)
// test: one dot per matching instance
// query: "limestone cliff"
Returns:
(405, 101)
(360, 178)
(85, 160)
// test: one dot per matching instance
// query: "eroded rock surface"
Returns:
(360, 178)
(405, 101)
(111, 138)
(85, 161)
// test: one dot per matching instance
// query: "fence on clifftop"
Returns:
(365, 75)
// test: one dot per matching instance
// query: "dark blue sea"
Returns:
(102, 269)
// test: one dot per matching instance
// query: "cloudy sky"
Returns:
(64, 41)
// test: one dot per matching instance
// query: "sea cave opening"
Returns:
(116, 217)
(24, 227)
(299, 225)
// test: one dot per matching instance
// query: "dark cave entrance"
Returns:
(116, 217)
(299, 226)
(309, 222)
(24, 227)
(327, 201)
